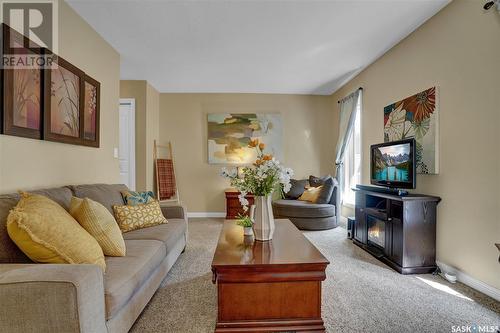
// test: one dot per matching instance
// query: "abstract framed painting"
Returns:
(416, 117)
(22, 88)
(91, 112)
(230, 133)
(63, 114)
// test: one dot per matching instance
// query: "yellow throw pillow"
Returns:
(98, 221)
(311, 194)
(137, 217)
(47, 233)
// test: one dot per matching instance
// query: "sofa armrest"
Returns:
(174, 211)
(51, 298)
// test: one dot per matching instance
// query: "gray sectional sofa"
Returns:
(310, 216)
(80, 298)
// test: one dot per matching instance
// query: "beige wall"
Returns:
(29, 164)
(147, 102)
(457, 50)
(309, 127)
(152, 134)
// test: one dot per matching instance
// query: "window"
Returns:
(352, 159)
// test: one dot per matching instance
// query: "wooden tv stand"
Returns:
(398, 230)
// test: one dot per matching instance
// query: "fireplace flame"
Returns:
(374, 232)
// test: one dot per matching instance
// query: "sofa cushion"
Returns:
(105, 194)
(9, 252)
(168, 233)
(125, 275)
(296, 208)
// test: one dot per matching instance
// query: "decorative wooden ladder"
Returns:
(166, 183)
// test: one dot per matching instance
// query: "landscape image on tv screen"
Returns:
(392, 163)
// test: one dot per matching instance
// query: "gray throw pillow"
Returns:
(326, 191)
(298, 187)
(317, 181)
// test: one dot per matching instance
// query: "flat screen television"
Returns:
(393, 164)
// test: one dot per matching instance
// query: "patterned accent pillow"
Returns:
(132, 198)
(137, 217)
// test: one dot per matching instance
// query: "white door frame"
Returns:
(131, 103)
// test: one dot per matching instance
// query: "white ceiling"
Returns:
(293, 47)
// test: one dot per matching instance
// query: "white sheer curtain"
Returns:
(348, 107)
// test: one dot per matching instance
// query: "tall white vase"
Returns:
(262, 215)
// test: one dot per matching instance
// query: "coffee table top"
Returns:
(287, 247)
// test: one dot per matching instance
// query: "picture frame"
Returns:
(228, 135)
(21, 90)
(59, 103)
(64, 103)
(91, 112)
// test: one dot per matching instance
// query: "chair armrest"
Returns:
(51, 298)
(174, 211)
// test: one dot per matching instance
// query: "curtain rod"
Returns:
(340, 100)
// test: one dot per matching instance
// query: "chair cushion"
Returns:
(105, 194)
(296, 208)
(325, 194)
(99, 223)
(327, 185)
(317, 181)
(9, 252)
(298, 187)
(311, 194)
(125, 275)
(47, 233)
(317, 223)
(168, 233)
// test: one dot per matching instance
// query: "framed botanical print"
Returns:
(91, 112)
(22, 88)
(64, 91)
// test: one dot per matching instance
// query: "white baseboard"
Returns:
(206, 214)
(470, 281)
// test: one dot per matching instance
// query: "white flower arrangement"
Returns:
(260, 179)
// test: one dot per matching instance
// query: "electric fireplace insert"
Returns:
(376, 232)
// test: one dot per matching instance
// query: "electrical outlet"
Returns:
(115, 153)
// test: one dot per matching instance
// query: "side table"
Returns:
(233, 206)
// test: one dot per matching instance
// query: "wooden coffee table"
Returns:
(270, 286)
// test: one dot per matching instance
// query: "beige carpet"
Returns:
(360, 293)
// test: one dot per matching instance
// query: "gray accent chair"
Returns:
(80, 298)
(310, 216)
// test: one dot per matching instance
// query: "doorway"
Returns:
(127, 142)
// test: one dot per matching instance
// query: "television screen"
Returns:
(393, 164)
